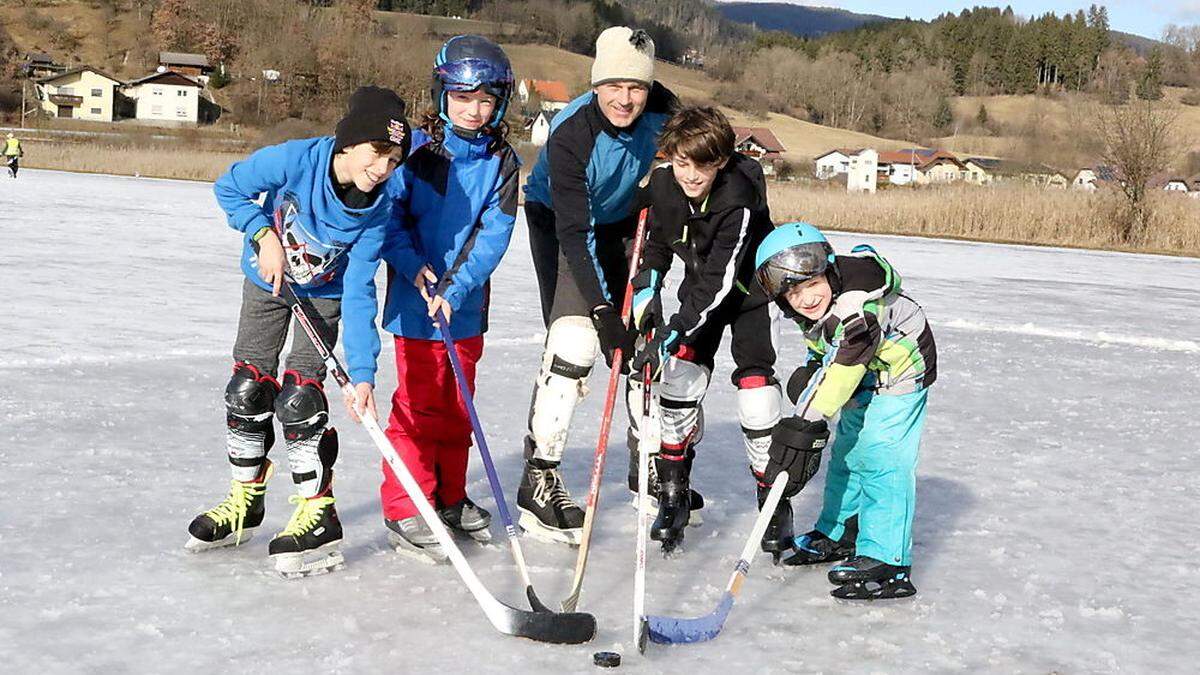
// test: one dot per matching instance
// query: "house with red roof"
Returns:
(552, 95)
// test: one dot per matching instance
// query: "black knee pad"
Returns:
(250, 398)
(301, 407)
(799, 380)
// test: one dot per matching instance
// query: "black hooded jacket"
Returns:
(716, 240)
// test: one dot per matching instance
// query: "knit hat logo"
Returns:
(397, 132)
(623, 53)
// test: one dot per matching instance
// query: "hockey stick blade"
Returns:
(672, 630)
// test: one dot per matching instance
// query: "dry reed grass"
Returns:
(157, 161)
(1010, 214)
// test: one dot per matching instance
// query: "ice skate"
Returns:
(310, 542)
(233, 521)
(778, 537)
(814, 547)
(412, 538)
(674, 504)
(547, 511)
(864, 578)
(696, 499)
(468, 519)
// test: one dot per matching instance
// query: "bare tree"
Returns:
(1139, 142)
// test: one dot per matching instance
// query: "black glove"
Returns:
(796, 446)
(612, 332)
(800, 378)
(656, 352)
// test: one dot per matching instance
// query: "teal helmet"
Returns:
(791, 254)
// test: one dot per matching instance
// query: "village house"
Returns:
(898, 167)
(168, 99)
(38, 66)
(835, 162)
(761, 144)
(83, 93)
(863, 174)
(552, 94)
(194, 66)
(1091, 177)
(976, 171)
(539, 126)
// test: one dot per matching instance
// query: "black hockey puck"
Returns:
(606, 659)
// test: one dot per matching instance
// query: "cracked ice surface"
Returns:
(1058, 480)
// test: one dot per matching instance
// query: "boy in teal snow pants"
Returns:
(872, 359)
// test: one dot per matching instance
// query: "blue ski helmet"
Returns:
(791, 254)
(467, 63)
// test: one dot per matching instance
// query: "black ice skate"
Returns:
(310, 542)
(778, 537)
(863, 578)
(696, 499)
(233, 521)
(674, 504)
(412, 538)
(547, 511)
(814, 547)
(468, 519)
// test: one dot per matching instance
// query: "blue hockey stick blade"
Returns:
(666, 630)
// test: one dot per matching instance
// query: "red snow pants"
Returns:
(429, 427)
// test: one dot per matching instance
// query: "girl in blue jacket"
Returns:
(453, 216)
(320, 226)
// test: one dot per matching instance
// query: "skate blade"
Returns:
(434, 555)
(195, 545)
(483, 536)
(858, 592)
(308, 563)
(534, 528)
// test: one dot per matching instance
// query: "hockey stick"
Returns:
(497, 492)
(575, 628)
(650, 437)
(614, 381)
(671, 630)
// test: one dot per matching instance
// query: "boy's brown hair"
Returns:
(701, 134)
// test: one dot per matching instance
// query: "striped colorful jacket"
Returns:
(873, 339)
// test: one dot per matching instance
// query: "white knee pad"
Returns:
(683, 387)
(759, 412)
(571, 348)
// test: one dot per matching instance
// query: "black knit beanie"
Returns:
(375, 114)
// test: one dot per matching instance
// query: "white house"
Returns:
(167, 98)
(539, 127)
(899, 167)
(834, 162)
(1176, 185)
(82, 93)
(863, 173)
(1085, 179)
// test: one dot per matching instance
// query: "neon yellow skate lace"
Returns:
(235, 505)
(307, 514)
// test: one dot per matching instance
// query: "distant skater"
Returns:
(13, 154)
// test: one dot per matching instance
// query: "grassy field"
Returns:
(1009, 214)
(157, 161)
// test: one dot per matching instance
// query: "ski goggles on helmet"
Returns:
(791, 266)
(471, 74)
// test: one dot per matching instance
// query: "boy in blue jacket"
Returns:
(454, 212)
(320, 227)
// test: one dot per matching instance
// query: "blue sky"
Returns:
(1141, 17)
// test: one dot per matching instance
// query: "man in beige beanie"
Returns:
(577, 204)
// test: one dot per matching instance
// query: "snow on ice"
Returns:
(1057, 484)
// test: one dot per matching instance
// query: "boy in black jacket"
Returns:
(709, 208)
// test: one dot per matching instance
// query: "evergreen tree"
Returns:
(1149, 86)
(982, 116)
(944, 116)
